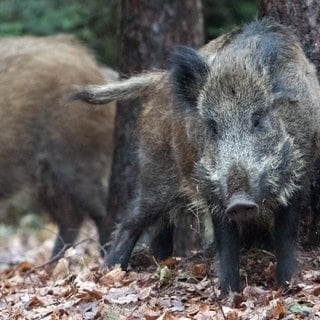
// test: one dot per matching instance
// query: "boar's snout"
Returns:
(241, 208)
(239, 205)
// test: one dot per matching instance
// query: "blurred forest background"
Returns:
(95, 22)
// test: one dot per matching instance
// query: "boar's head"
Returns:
(247, 107)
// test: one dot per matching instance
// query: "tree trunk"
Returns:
(304, 17)
(148, 32)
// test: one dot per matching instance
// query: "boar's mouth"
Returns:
(241, 208)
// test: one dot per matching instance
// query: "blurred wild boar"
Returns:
(58, 148)
(232, 130)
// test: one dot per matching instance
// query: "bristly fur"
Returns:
(234, 128)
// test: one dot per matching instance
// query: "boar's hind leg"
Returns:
(66, 237)
(104, 222)
(285, 235)
(162, 242)
(154, 201)
(228, 243)
(57, 202)
(145, 214)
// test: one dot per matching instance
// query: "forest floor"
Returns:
(77, 287)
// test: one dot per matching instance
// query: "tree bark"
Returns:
(148, 32)
(304, 17)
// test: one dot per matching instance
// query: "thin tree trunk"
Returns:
(148, 32)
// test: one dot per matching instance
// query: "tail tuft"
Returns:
(134, 87)
(91, 95)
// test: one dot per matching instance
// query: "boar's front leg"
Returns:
(227, 238)
(285, 235)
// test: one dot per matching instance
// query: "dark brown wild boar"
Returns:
(232, 129)
(58, 148)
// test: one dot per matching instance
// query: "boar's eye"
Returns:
(213, 128)
(259, 122)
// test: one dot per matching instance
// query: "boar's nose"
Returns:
(241, 208)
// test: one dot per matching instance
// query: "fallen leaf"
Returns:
(277, 310)
(122, 295)
(200, 270)
(115, 275)
(24, 267)
(167, 316)
(34, 302)
(61, 270)
(170, 262)
(144, 293)
(232, 315)
(316, 291)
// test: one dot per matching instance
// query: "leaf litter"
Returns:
(78, 287)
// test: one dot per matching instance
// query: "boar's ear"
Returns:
(187, 76)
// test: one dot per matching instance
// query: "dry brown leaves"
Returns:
(78, 288)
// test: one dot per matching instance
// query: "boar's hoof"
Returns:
(240, 208)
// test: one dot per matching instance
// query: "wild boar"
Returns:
(58, 148)
(232, 129)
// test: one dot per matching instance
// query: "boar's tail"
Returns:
(134, 87)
